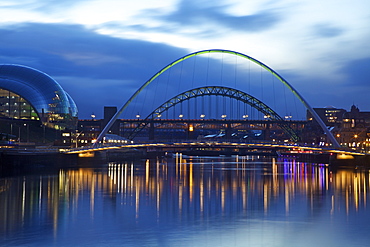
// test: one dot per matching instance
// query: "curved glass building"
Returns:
(26, 93)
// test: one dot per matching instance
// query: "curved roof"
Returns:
(73, 105)
(53, 105)
(39, 89)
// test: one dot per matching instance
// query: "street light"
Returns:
(28, 131)
(77, 135)
(339, 139)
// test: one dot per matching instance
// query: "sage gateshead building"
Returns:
(29, 94)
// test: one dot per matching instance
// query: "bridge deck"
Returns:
(212, 144)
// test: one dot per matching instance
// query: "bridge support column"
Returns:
(267, 132)
(190, 132)
(228, 131)
(151, 131)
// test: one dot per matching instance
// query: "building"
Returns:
(89, 129)
(29, 94)
(330, 115)
(355, 129)
(350, 128)
(109, 112)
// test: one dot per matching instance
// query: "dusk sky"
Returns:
(102, 51)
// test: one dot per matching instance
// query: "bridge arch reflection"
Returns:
(180, 188)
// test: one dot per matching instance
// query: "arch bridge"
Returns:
(250, 100)
(238, 95)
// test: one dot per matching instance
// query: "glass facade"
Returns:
(27, 93)
(14, 106)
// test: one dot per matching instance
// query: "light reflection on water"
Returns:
(187, 201)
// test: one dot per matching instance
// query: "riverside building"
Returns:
(29, 97)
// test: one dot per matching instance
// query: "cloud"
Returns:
(41, 5)
(100, 70)
(359, 71)
(95, 69)
(322, 92)
(327, 31)
(193, 14)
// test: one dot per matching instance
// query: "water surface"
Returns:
(187, 201)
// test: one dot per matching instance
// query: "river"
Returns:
(186, 201)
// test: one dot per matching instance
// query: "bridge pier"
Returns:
(266, 132)
(151, 130)
(190, 131)
(228, 131)
(346, 160)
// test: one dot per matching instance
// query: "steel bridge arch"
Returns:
(273, 72)
(218, 91)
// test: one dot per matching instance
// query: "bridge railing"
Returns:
(211, 140)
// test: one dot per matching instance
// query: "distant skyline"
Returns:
(102, 51)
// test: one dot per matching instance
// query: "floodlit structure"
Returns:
(262, 65)
(26, 93)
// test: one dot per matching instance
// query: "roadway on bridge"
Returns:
(211, 144)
